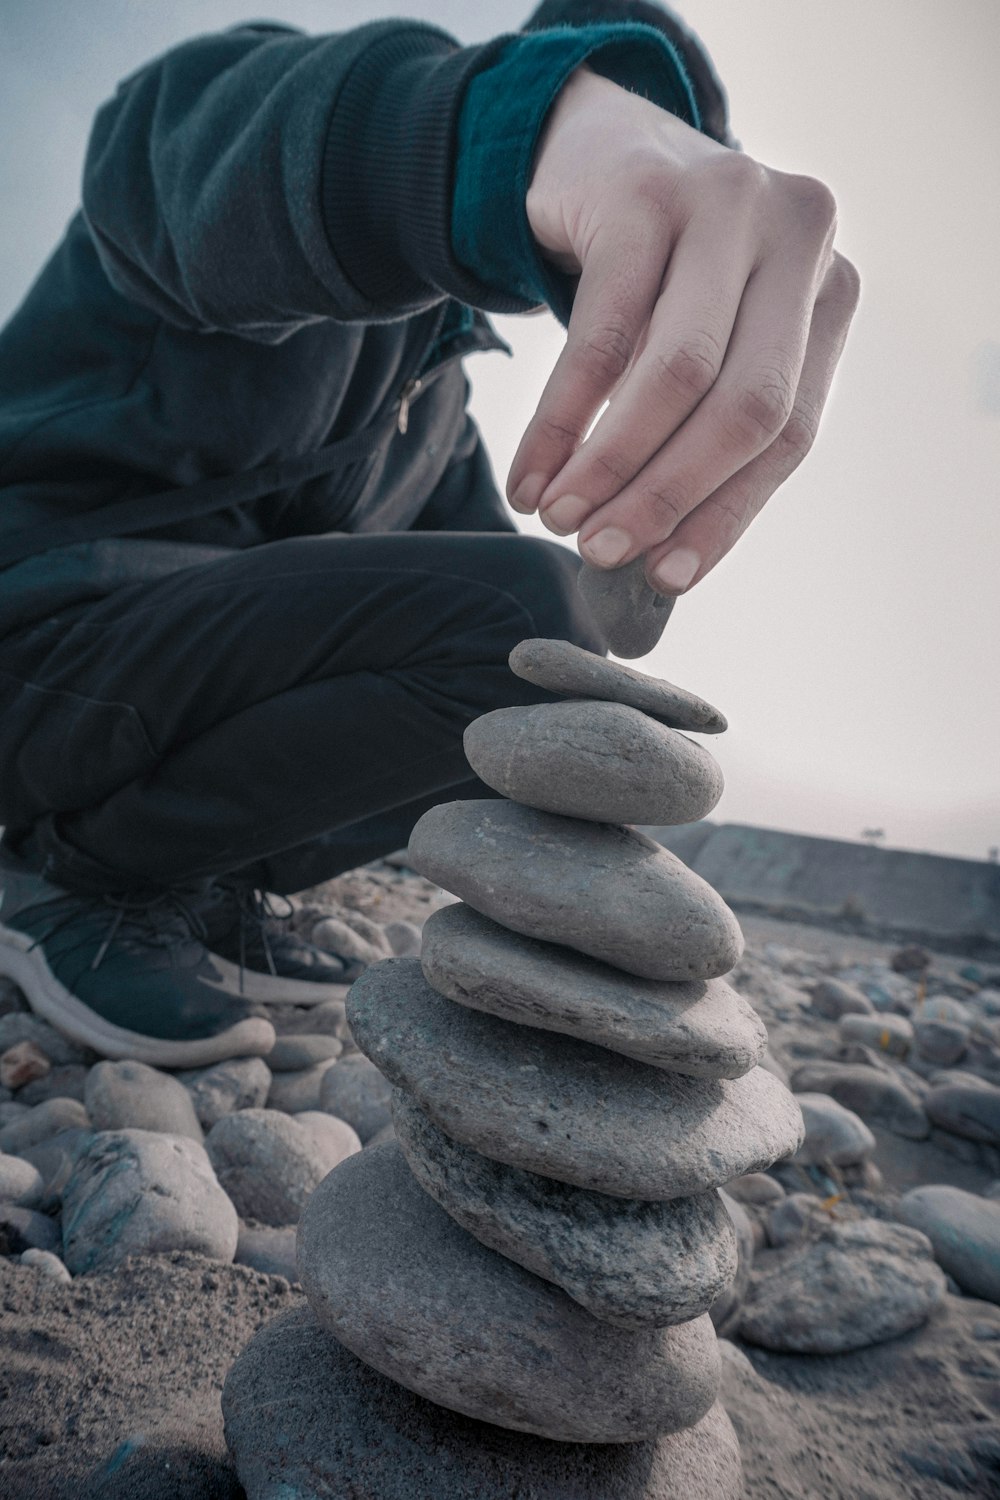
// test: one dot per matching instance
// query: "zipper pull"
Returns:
(409, 390)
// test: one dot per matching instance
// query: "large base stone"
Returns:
(395, 1280)
(305, 1420)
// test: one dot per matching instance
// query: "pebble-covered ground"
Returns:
(147, 1224)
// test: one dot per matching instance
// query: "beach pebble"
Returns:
(609, 892)
(630, 615)
(600, 761)
(876, 1096)
(139, 1192)
(887, 1033)
(832, 999)
(20, 1182)
(238, 1083)
(564, 1108)
(941, 1042)
(965, 1232)
(12, 1109)
(755, 1188)
(629, 1263)
(573, 672)
(132, 1096)
(334, 935)
(794, 1216)
(54, 1158)
(45, 1262)
(333, 1137)
(301, 1050)
(305, 1418)
(292, 1092)
(41, 1122)
(268, 1249)
(67, 1081)
(26, 1229)
(973, 1113)
(469, 1329)
(833, 1134)
(856, 1284)
(403, 938)
(702, 1027)
(24, 1026)
(23, 1063)
(268, 1163)
(357, 1092)
(727, 1308)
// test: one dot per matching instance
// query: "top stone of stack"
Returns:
(572, 672)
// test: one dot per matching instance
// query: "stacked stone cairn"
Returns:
(539, 1248)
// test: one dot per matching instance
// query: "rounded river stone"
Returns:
(564, 668)
(702, 1027)
(391, 1276)
(630, 614)
(600, 761)
(630, 1263)
(306, 1419)
(606, 891)
(563, 1108)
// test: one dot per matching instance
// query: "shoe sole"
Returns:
(50, 999)
(273, 989)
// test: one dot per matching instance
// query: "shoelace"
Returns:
(165, 920)
(254, 910)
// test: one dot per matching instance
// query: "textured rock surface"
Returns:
(631, 615)
(306, 1420)
(631, 1263)
(832, 998)
(874, 1095)
(600, 761)
(240, 1083)
(405, 1289)
(702, 1027)
(132, 1096)
(857, 1284)
(42, 1122)
(563, 1108)
(606, 891)
(965, 1232)
(136, 1192)
(268, 1163)
(833, 1134)
(972, 1112)
(567, 669)
(357, 1092)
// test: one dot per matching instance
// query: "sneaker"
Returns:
(128, 977)
(262, 957)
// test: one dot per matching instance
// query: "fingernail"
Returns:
(564, 515)
(675, 571)
(528, 493)
(607, 547)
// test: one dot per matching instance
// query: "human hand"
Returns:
(711, 312)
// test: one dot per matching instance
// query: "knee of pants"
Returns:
(546, 586)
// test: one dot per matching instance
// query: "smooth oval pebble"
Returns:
(630, 614)
(606, 891)
(965, 1232)
(631, 1263)
(600, 761)
(701, 1027)
(563, 1108)
(573, 672)
(389, 1274)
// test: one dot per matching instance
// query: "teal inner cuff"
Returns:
(502, 115)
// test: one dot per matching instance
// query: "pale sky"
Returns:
(852, 635)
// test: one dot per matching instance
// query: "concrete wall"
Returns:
(888, 893)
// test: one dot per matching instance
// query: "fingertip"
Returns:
(676, 572)
(527, 493)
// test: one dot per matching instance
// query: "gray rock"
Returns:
(335, 1138)
(757, 1189)
(55, 1158)
(563, 1108)
(834, 1134)
(609, 892)
(601, 761)
(12, 1109)
(23, 1026)
(727, 1308)
(965, 1232)
(11, 997)
(46, 1263)
(268, 1249)
(239, 1083)
(132, 1096)
(306, 1420)
(300, 1050)
(629, 1263)
(832, 998)
(403, 938)
(357, 1092)
(268, 1163)
(888, 1033)
(67, 1081)
(20, 1182)
(970, 1112)
(857, 1284)
(567, 669)
(42, 1122)
(137, 1192)
(391, 1276)
(293, 1092)
(702, 1027)
(941, 1042)
(335, 936)
(631, 616)
(26, 1229)
(797, 1215)
(874, 1095)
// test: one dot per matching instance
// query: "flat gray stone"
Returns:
(965, 1232)
(973, 1113)
(606, 891)
(132, 1096)
(832, 998)
(630, 1263)
(567, 669)
(295, 1091)
(601, 761)
(834, 1134)
(630, 614)
(870, 1093)
(302, 1050)
(856, 1284)
(238, 1083)
(563, 1108)
(701, 1027)
(306, 1420)
(395, 1280)
(269, 1163)
(137, 1192)
(357, 1092)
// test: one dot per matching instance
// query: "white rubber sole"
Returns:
(51, 1000)
(272, 989)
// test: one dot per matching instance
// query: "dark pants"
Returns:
(286, 713)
